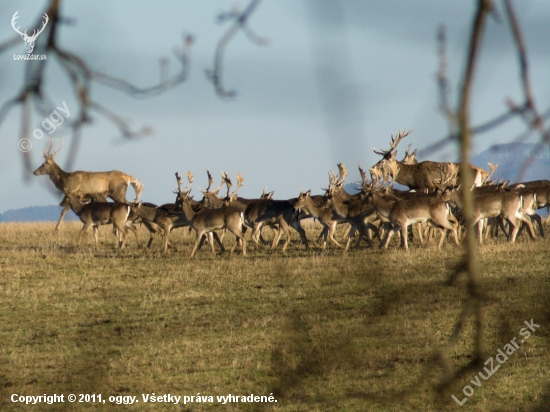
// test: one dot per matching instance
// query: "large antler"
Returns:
(448, 176)
(343, 172)
(240, 182)
(493, 168)
(375, 176)
(364, 179)
(227, 181)
(394, 142)
(190, 178)
(48, 153)
(210, 181)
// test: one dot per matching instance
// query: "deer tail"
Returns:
(138, 187)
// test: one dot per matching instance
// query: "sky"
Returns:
(337, 78)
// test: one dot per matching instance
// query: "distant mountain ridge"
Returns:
(35, 214)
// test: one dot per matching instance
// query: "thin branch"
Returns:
(530, 114)
(240, 23)
(470, 265)
(442, 80)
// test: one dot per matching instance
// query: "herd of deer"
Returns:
(434, 202)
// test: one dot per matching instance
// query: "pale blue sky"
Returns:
(338, 78)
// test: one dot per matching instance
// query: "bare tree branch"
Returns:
(470, 265)
(240, 23)
(80, 76)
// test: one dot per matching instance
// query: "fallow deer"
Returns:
(420, 176)
(87, 185)
(95, 214)
(208, 220)
(501, 203)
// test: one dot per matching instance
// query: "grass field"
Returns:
(317, 330)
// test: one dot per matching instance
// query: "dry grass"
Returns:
(320, 330)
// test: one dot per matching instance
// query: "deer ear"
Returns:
(393, 154)
(308, 192)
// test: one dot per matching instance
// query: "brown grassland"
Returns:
(320, 330)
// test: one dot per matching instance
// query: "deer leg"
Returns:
(122, 234)
(332, 229)
(514, 228)
(96, 235)
(218, 240)
(256, 233)
(133, 228)
(198, 237)
(238, 237)
(83, 232)
(419, 230)
(527, 222)
(323, 236)
(298, 228)
(539, 223)
(404, 231)
(276, 237)
(442, 232)
(389, 233)
(165, 236)
(63, 213)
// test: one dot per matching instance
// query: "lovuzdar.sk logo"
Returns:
(29, 40)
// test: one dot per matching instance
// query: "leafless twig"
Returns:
(240, 22)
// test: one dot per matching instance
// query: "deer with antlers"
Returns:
(420, 176)
(359, 213)
(279, 215)
(162, 219)
(413, 208)
(87, 185)
(501, 203)
(207, 221)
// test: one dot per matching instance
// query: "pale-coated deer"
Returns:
(87, 185)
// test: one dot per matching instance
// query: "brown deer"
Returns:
(208, 220)
(163, 219)
(323, 214)
(541, 188)
(280, 215)
(87, 185)
(95, 214)
(505, 204)
(420, 176)
(413, 208)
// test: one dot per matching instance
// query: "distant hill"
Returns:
(510, 158)
(35, 214)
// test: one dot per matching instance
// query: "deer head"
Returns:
(49, 164)
(29, 40)
(393, 144)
